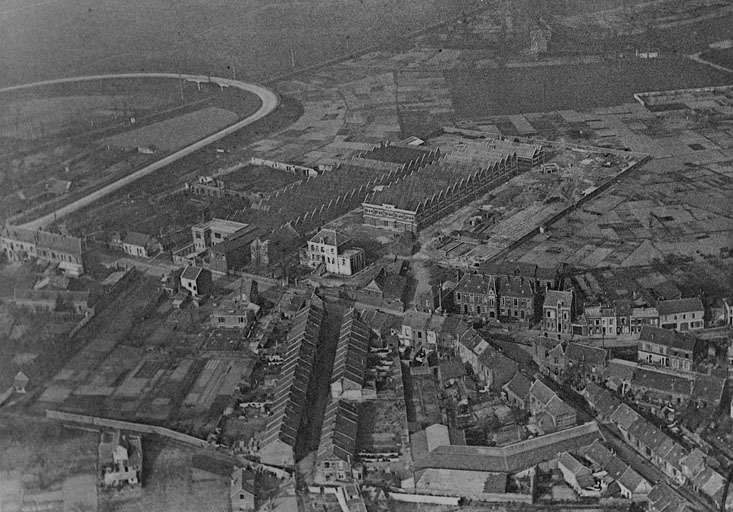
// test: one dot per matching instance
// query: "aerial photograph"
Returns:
(366, 255)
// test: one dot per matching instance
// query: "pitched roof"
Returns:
(662, 381)
(329, 237)
(708, 388)
(513, 457)
(552, 297)
(351, 350)
(513, 287)
(519, 385)
(338, 433)
(416, 319)
(541, 392)
(596, 452)
(582, 474)
(578, 352)
(191, 273)
(631, 479)
(673, 307)
(668, 337)
(138, 239)
(625, 416)
(556, 408)
(289, 401)
(475, 283)
(620, 369)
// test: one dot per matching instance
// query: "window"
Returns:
(222, 319)
(198, 234)
(217, 235)
(515, 303)
(327, 465)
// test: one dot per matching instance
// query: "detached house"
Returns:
(549, 412)
(681, 314)
(517, 300)
(242, 490)
(120, 459)
(334, 251)
(196, 281)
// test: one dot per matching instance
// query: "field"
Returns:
(515, 90)
(174, 133)
(59, 142)
(252, 39)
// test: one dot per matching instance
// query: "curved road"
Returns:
(269, 100)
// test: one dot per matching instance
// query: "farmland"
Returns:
(253, 39)
(59, 142)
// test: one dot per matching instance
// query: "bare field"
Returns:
(253, 39)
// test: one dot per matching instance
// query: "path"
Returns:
(269, 100)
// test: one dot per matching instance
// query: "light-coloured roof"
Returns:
(226, 227)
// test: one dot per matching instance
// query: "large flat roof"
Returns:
(228, 227)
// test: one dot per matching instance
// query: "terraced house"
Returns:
(681, 314)
(476, 296)
(20, 244)
(664, 347)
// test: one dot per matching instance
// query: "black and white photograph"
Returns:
(366, 255)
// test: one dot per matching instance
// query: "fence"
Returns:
(527, 236)
(125, 425)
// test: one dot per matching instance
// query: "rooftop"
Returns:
(223, 226)
(668, 337)
(338, 433)
(330, 237)
(673, 307)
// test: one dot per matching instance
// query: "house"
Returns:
(196, 281)
(120, 459)
(415, 328)
(631, 484)
(599, 321)
(618, 375)
(475, 296)
(539, 278)
(431, 300)
(140, 245)
(601, 400)
(668, 348)
(272, 249)
(280, 440)
(549, 412)
(494, 368)
(517, 391)
(517, 300)
(664, 498)
(242, 491)
(333, 250)
(20, 382)
(681, 314)
(21, 244)
(557, 311)
(337, 447)
(702, 477)
(549, 355)
(656, 389)
(584, 362)
(215, 231)
(385, 290)
(234, 252)
(349, 368)
(234, 311)
(578, 476)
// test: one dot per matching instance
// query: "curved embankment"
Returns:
(269, 100)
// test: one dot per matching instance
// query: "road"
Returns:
(269, 100)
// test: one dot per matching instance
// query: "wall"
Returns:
(126, 425)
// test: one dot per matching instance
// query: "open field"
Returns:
(174, 133)
(253, 39)
(517, 90)
(60, 141)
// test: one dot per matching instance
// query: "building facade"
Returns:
(557, 311)
(334, 251)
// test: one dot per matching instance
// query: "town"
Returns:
(351, 289)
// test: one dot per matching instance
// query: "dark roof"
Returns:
(46, 240)
(495, 483)
(513, 287)
(625, 416)
(541, 392)
(502, 367)
(519, 385)
(552, 297)
(475, 283)
(668, 337)
(672, 307)
(708, 388)
(289, 397)
(393, 286)
(511, 458)
(351, 350)
(451, 369)
(662, 381)
(620, 369)
(338, 433)
(580, 353)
